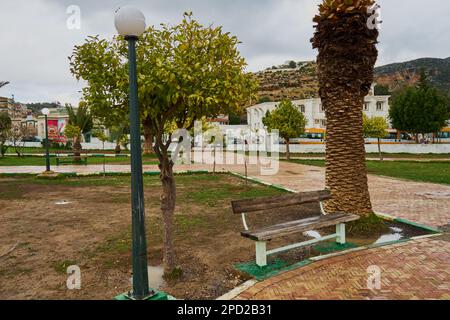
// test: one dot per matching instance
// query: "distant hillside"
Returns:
(295, 81)
(298, 80)
(398, 75)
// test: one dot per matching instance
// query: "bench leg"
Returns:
(340, 231)
(261, 255)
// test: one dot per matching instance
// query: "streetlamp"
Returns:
(46, 112)
(130, 23)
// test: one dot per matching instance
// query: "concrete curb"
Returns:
(407, 222)
(238, 290)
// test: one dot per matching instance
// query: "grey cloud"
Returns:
(35, 42)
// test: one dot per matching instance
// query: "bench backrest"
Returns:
(260, 204)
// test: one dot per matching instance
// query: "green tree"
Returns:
(264, 99)
(289, 122)
(185, 72)
(381, 90)
(5, 128)
(118, 134)
(72, 132)
(419, 110)
(235, 118)
(375, 127)
(80, 118)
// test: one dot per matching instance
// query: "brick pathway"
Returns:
(419, 269)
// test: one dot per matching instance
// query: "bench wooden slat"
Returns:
(254, 205)
(298, 226)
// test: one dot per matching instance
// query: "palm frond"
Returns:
(3, 83)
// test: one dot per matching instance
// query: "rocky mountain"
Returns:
(398, 75)
(298, 80)
(295, 81)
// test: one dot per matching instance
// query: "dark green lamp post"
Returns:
(46, 112)
(130, 23)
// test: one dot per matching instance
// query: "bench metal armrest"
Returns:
(244, 222)
(322, 209)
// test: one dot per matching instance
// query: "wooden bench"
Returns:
(263, 235)
(69, 158)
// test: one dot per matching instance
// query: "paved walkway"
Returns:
(418, 269)
(384, 159)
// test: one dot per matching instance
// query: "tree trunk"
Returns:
(346, 172)
(148, 137)
(76, 148)
(3, 149)
(379, 150)
(118, 149)
(288, 151)
(168, 200)
(214, 164)
(345, 64)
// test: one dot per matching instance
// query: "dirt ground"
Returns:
(46, 226)
(86, 222)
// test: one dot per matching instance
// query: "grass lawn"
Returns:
(435, 172)
(40, 161)
(86, 222)
(429, 156)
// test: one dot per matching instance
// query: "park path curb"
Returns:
(238, 290)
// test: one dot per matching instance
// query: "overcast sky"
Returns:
(35, 41)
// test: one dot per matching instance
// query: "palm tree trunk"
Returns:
(76, 150)
(347, 55)
(346, 173)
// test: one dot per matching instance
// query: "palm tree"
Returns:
(80, 118)
(347, 54)
(3, 83)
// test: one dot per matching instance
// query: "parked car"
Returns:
(32, 139)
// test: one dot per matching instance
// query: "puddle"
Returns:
(395, 234)
(62, 203)
(389, 238)
(312, 234)
(155, 277)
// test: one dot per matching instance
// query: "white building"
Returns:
(374, 106)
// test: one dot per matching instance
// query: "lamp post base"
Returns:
(48, 175)
(154, 296)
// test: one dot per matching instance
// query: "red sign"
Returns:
(55, 131)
